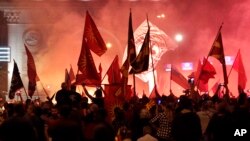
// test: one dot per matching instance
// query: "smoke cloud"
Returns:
(197, 20)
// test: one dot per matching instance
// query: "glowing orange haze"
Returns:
(197, 20)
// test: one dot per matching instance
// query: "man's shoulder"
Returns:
(147, 137)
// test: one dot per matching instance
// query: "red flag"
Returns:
(217, 51)
(100, 70)
(154, 93)
(16, 82)
(114, 97)
(87, 67)
(239, 67)
(204, 72)
(177, 77)
(203, 86)
(72, 76)
(215, 86)
(141, 62)
(114, 76)
(32, 74)
(124, 71)
(93, 37)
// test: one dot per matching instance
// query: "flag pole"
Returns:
(198, 79)
(215, 39)
(37, 94)
(170, 82)
(25, 92)
(44, 89)
(134, 83)
(152, 57)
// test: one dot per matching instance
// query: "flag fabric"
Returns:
(215, 86)
(205, 71)
(16, 81)
(203, 86)
(239, 67)
(114, 97)
(32, 74)
(114, 76)
(131, 52)
(87, 67)
(72, 76)
(93, 37)
(100, 70)
(141, 62)
(178, 78)
(124, 70)
(217, 51)
(131, 55)
(67, 79)
(154, 94)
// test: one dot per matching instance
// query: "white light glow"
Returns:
(108, 45)
(178, 37)
(161, 16)
(187, 66)
(168, 67)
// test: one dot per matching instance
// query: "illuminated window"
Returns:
(4, 54)
(187, 66)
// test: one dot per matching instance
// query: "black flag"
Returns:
(16, 82)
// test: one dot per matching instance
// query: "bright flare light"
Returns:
(109, 45)
(178, 37)
(161, 16)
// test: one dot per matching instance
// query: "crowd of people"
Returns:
(165, 118)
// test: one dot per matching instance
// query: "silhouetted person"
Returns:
(17, 127)
(147, 135)
(220, 126)
(186, 123)
(98, 99)
(65, 128)
(62, 96)
(75, 97)
(104, 132)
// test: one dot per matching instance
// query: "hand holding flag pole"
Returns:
(217, 51)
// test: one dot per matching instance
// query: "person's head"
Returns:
(185, 102)
(104, 132)
(242, 98)
(64, 85)
(98, 93)
(222, 107)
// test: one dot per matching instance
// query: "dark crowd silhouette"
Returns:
(165, 118)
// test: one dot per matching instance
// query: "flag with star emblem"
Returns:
(86, 66)
(93, 37)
